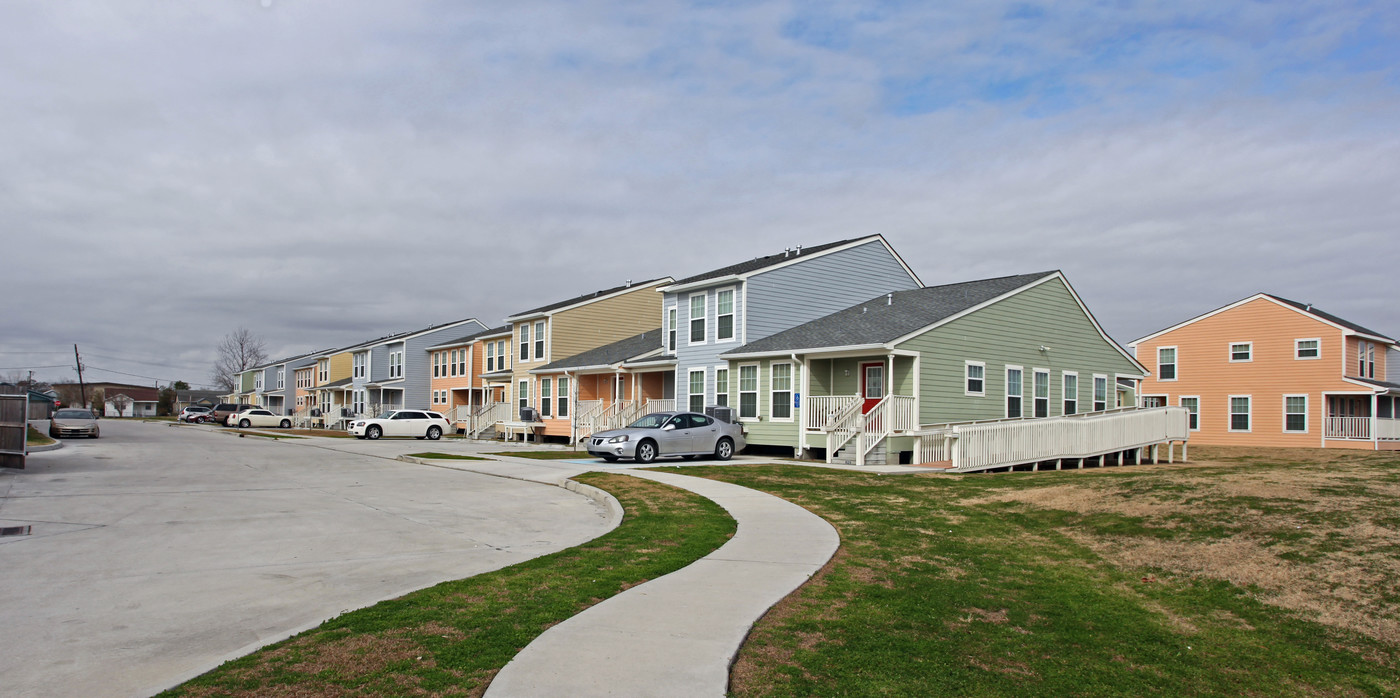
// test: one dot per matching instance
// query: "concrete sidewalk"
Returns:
(677, 635)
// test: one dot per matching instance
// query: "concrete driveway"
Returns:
(156, 552)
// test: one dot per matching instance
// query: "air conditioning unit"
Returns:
(529, 414)
(721, 413)
(315, 412)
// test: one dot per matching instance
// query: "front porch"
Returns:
(1363, 421)
(853, 405)
(614, 400)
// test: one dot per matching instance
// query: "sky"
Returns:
(323, 173)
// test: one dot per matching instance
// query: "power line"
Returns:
(33, 368)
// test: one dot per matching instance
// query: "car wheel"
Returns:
(373, 432)
(434, 433)
(724, 450)
(244, 424)
(286, 424)
(646, 451)
(610, 459)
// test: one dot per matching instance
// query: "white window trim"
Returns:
(690, 317)
(1230, 414)
(1197, 398)
(523, 338)
(1176, 365)
(541, 341)
(1307, 413)
(1296, 349)
(792, 382)
(1093, 392)
(1231, 348)
(704, 380)
(725, 392)
(757, 392)
(672, 316)
(1048, 391)
(966, 378)
(545, 402)
(1006, 382)
(1064, 393)
(281, 378)
(733, 313)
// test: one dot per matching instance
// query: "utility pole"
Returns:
(82, 389)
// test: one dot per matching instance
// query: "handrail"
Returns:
(874, 427)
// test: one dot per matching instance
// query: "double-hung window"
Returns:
(563, 398)
(1241, 352)
(1071, 392)
(1295, 413)
(1100, 393)
(780, 385)
(1193, 411)
(257, 381)
(1370, 360)
(1166, 363)
(724, 315)
(461, 362)
(546, 396)
(697, 318)
(539, 340)
(396, 364)
(748, 391)
(323, 370)
(437, 364)
(1307, 348)
(523, 394)
(1239, 412)
(525, 342)
(359, 365)
(281, 378)
(1013, 391)
(722, 386)
(490, 356)
(976, 383)
(671, 329)
(502, 356)
(1042, 393)
(696, 390)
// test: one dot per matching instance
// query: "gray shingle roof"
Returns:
(761, 262)
(503, 329)
(614, 353)
(584, 297)
(1309, 309)
(1379, 384)
(876, 322)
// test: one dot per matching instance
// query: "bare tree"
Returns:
(240, 350)
(121, 402)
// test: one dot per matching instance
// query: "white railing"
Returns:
(843, 427)
(822, 410)
(978, 446)
(302, 418)
(630, 411)
(488, 416)
(874, 427)
(1349, 428)
(903, 413)
(656, 405)
(1388, 429)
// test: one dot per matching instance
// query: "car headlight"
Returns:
(618, 439)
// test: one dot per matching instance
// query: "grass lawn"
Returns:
(1249, 572)
(444, 456)
(33, 437)
(544, 455)
(451, 639)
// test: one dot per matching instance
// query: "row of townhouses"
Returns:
(813, 349)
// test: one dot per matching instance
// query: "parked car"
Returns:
(416, 423)
(224, 410)
(259, 417)
(686, 434)
(194, 414)
(72, 421)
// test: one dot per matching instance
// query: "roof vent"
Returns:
(889, 299)
(1308, 308)
(798, 252)
(786, 250)
(863, 310)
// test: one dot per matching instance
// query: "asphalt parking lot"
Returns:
(156, 552)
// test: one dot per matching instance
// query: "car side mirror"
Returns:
(669, 427)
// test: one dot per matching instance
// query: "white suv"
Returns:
(416, 423)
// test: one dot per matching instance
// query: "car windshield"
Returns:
(72, 414)
(651, 421)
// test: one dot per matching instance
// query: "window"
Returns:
(437, 364)
(523, 396)
(1307, 348)
(1370, 360)
(1241, 351)
(396, 364)
(539, 340)
(1239, 413)
(258, 381)
(1193, 409)
(722, 386)
(1385, 407)
(724, 315)
(1100, 393)
(451, 362)
(780, 387)
(1361, 359)
(502, 356)
(1295, 413)
(1042, 393)
(976, 377)
(563, 412)
(546, 396)
(697, 318)
(1013, 391)
(461, 362)
(323, 368)
(671, 329)
(490, 356)
(1166, 363)
(1071, 392)
(359, 365)
(525, 342)
(697, 390)
(357, 401)
(748, 391)
(281, 378)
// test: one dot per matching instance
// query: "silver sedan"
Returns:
(686, 434)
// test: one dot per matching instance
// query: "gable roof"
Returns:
(1303, 308)
(503, 330)
(757, 264)
(610, 354)
(886, 318)
(585, 298)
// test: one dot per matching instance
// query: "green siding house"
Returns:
(1016, 347)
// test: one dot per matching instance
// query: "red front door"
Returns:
(872, 385)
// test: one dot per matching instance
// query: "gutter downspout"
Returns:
(801, 407)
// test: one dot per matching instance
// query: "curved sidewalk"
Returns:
(677, 635)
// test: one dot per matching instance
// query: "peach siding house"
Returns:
(1268, 371)
(457, 367)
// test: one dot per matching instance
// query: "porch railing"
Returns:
(658, 405)
(489, 415)
(979, 446)
(874, 427)
(1388, 429)
(1349, 428)
(903, 415)
(822, 410)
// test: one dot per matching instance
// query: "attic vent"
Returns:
(889, 299)
(798, 251)
(786, 251)
(629, 284)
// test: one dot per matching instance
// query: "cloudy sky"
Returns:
(325, 172)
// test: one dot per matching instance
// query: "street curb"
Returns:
(601, 497)
(40, 449)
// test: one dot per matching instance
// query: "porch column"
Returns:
(1375, 438)
(804, 396)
